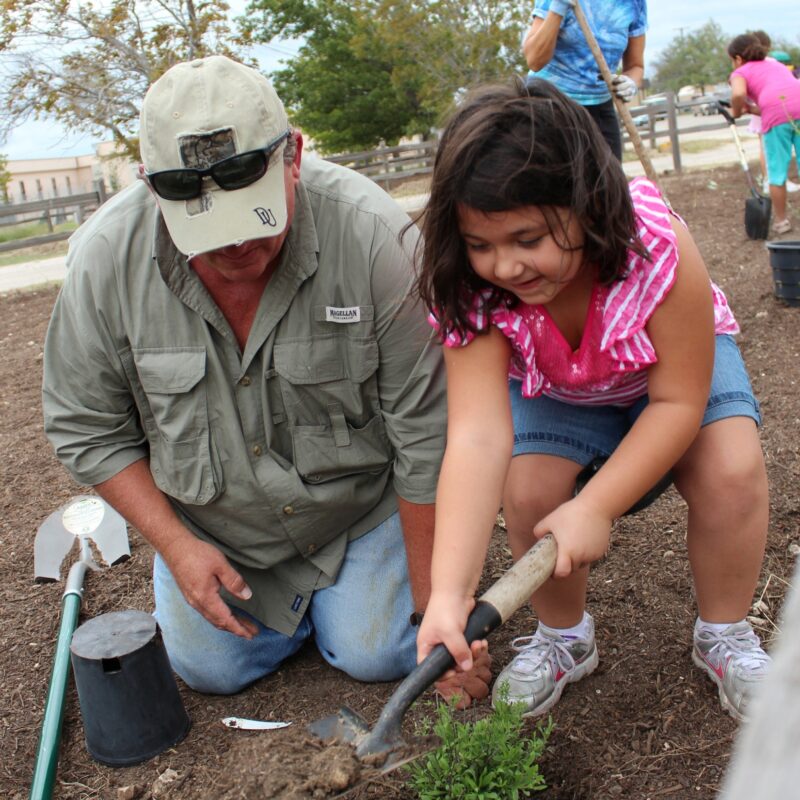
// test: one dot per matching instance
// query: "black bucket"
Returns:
(129, 699)
(784, 258)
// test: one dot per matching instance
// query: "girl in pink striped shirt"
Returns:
(543, 266)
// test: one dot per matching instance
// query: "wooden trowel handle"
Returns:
(512, 590)
(516, 586)
(506, 595)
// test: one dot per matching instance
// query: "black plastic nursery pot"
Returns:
(784, 259)
(129, 700)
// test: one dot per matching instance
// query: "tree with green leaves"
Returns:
(375, 70)
(456, 45)
(339, 87)
(88, 64)
(699, 58)
(5, 177)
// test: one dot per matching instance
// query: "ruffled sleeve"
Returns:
(514, 325)
(479, 315)
(631, 302)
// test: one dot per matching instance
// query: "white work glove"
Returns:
(624, 87)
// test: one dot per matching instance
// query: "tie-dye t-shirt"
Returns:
(573, 68)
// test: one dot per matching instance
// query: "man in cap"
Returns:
(236, 363)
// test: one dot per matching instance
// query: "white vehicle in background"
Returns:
(688, 93)
(709, 104)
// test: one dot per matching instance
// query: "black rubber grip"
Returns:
(386, 733)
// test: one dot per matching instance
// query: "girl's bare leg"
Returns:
(778, 196)
(536, 485)
(723, 479)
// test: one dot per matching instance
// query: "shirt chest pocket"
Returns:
(170, 379)
(175, 417)
(329, 390)
(313, 373)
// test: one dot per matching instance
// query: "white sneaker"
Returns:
(546, 663)
(735, 661)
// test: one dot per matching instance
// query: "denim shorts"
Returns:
(582, 433)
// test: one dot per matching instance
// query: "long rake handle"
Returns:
(622, 108)
(44, 772)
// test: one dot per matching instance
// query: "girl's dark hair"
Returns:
(749, 47)
(763, 38)
(513, 145)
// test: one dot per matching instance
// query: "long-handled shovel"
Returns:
(83, 518)
(494, 607)
(757, 208)
(622, 108)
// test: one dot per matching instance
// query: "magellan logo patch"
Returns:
(266, 216)
(333, 314)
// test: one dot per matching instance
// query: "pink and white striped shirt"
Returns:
(610, 365)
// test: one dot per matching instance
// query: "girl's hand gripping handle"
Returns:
(443, 623)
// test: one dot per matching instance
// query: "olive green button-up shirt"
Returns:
(277, 455)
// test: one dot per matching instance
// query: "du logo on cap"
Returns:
(266, 216)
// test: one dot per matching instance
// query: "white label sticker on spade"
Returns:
(84, 516)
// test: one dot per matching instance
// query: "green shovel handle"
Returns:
(44, 771)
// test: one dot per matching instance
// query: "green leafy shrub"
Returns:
(491, 759)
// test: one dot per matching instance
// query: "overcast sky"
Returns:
(667, 19)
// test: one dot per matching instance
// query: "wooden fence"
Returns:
(387, 166)
(51, 212)
(391, 165)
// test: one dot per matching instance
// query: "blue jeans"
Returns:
(360, 624)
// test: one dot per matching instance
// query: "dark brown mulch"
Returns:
(646, 724)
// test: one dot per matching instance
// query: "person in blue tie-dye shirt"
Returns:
(556, 50)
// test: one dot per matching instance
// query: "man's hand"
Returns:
(624, 87)
(200, 571)
(470, 685)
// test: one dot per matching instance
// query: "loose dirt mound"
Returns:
(646, 724)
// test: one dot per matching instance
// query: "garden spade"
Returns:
(383, 743)
(757, 207)
(83, 518)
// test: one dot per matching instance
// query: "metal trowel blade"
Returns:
(344, 726)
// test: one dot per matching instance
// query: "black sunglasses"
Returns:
(234, 172)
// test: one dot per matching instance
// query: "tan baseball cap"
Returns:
(197, 113)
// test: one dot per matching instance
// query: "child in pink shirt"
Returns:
(775, 94)
(542, 266)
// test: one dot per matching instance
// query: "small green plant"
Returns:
(491, 759)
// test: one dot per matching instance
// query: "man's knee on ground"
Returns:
(206, 668)
(373, 663)
(211, 677)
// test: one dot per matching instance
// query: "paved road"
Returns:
(21, 276)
